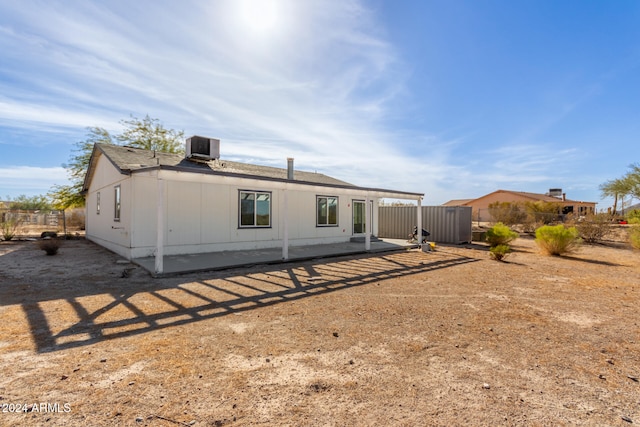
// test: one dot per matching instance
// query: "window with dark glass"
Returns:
(327, 210)
(255, 209)
(116, 211)
(98, 203)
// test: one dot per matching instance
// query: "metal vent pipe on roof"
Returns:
(289, 167)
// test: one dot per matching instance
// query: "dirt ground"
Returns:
(406, 338)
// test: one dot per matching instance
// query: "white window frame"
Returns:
(327, 216)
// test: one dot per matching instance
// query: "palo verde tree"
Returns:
(150, 134)
(145, 133)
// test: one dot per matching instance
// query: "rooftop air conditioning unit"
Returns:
(555, 192)
(200, 147)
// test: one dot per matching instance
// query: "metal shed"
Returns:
(447, 224)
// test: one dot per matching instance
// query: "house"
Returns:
(481, 204)
(142, 203)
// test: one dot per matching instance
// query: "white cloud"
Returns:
(301, 90)
(29, 180)
(314, 80)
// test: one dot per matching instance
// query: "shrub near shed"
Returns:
(500, 234)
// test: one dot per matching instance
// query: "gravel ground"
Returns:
(445, 338)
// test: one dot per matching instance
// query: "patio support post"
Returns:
(285, 232)
(419, 219)
(367, 224)
(159, 267)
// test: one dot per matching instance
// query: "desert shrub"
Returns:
(500, 234)
(507, 213)
(529, 226)
(633, 217)
(50, 246)
(8, 228)
(543, 212)
(75, 219)
(593, 228)
(557, 239)
(499, 252)
(634, 236)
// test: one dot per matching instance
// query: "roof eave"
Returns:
(380, 192)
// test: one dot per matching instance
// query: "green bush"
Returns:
(634, 236)
(633, 217)
(500, 234)
(507, 213)
(500, 252)
(543, 212)
(557, 239)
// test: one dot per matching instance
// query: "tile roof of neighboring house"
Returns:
(129, 160)
(534, 196)
(458, 202)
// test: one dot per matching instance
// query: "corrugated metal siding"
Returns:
(447, 224)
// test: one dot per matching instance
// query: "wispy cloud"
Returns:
(301, 91)
(30, 180)
(316, 80)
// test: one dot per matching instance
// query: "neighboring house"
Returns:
(142, 203)
(481, 204)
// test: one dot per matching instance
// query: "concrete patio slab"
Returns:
(180, 264)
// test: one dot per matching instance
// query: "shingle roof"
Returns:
(129, 159)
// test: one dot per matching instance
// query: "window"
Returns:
(255, 209)
(327, 211)
(98, 203)
(116, 211)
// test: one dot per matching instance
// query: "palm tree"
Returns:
(617, 188)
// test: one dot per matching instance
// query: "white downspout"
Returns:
(159, 268)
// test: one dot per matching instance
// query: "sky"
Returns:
(451, 98)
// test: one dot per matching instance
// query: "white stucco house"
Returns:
(142, 203)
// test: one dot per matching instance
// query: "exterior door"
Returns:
(359, 216)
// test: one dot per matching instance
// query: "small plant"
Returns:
(500, 252)
(8, 228)
(557, 239)
(500, 234)
(634, 236)
(50, 246)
